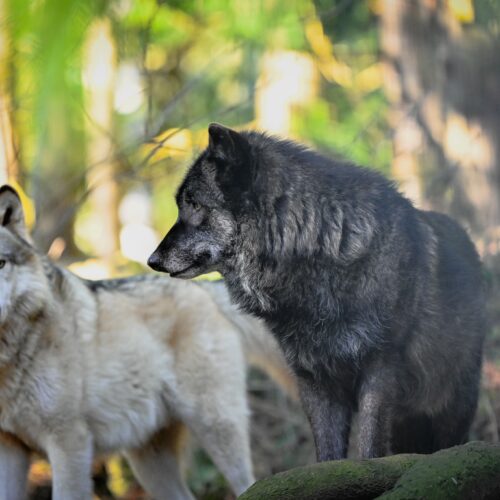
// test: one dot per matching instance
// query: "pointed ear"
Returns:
(11, 211)
(225, 143)
(236, 170)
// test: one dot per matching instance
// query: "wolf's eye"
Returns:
(2, 263)
(196, 206)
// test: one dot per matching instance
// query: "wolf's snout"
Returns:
(155, 262)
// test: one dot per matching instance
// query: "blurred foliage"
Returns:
(192, 62)
(487, 16)
(176, 66)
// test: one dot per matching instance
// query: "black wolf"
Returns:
(378, 306)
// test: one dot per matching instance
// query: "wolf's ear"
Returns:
(236, 168)
(11, 211)
(225, 143)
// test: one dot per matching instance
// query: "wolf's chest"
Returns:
(115, 428)
(20, 419)
(127, 406)
(329, 349)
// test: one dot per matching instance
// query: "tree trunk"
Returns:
(9, 161)
(443, 80)
(100, 75)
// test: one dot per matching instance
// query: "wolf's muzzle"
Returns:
(155, 262)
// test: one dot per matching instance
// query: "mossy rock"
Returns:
(341, 479)
(465, 472)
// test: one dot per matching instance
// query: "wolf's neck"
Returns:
(248, 281)
(20, 339)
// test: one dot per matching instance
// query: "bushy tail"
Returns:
(260, 347)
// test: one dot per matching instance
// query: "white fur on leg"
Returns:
(70, 456)
(158, 472)
(14, 465)
(228, 445)
(218, 415)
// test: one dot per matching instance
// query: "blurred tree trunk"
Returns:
(56, 114)
(442, 76)
(54, 178)
(9, 159)
(100, 72)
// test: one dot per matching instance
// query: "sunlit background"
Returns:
(103, 104)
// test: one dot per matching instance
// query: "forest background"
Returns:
(103, 104)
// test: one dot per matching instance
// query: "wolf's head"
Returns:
(211, 200)
(18, 265)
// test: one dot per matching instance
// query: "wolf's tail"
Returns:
(260, 347)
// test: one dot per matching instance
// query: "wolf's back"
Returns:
(259, 345)
(459, 272)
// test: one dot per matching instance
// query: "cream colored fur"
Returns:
(128, 366)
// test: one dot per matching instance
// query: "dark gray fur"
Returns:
(119, 284)
(378, 306)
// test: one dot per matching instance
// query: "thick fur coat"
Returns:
(378, 306)
(129, 365)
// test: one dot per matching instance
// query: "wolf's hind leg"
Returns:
(14, 465)
(211, 371)
(451, 427)
(227, 442)
(412, 434)
(218, 418)
(157, 465)
(421, 433)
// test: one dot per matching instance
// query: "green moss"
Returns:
(462, 472)
(339, 479)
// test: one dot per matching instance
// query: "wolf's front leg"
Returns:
(14, 465)
(376, 408)
(70, 455)
(330, 419)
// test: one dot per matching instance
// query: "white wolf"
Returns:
(123, 365)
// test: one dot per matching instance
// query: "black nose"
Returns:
(154, 262)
